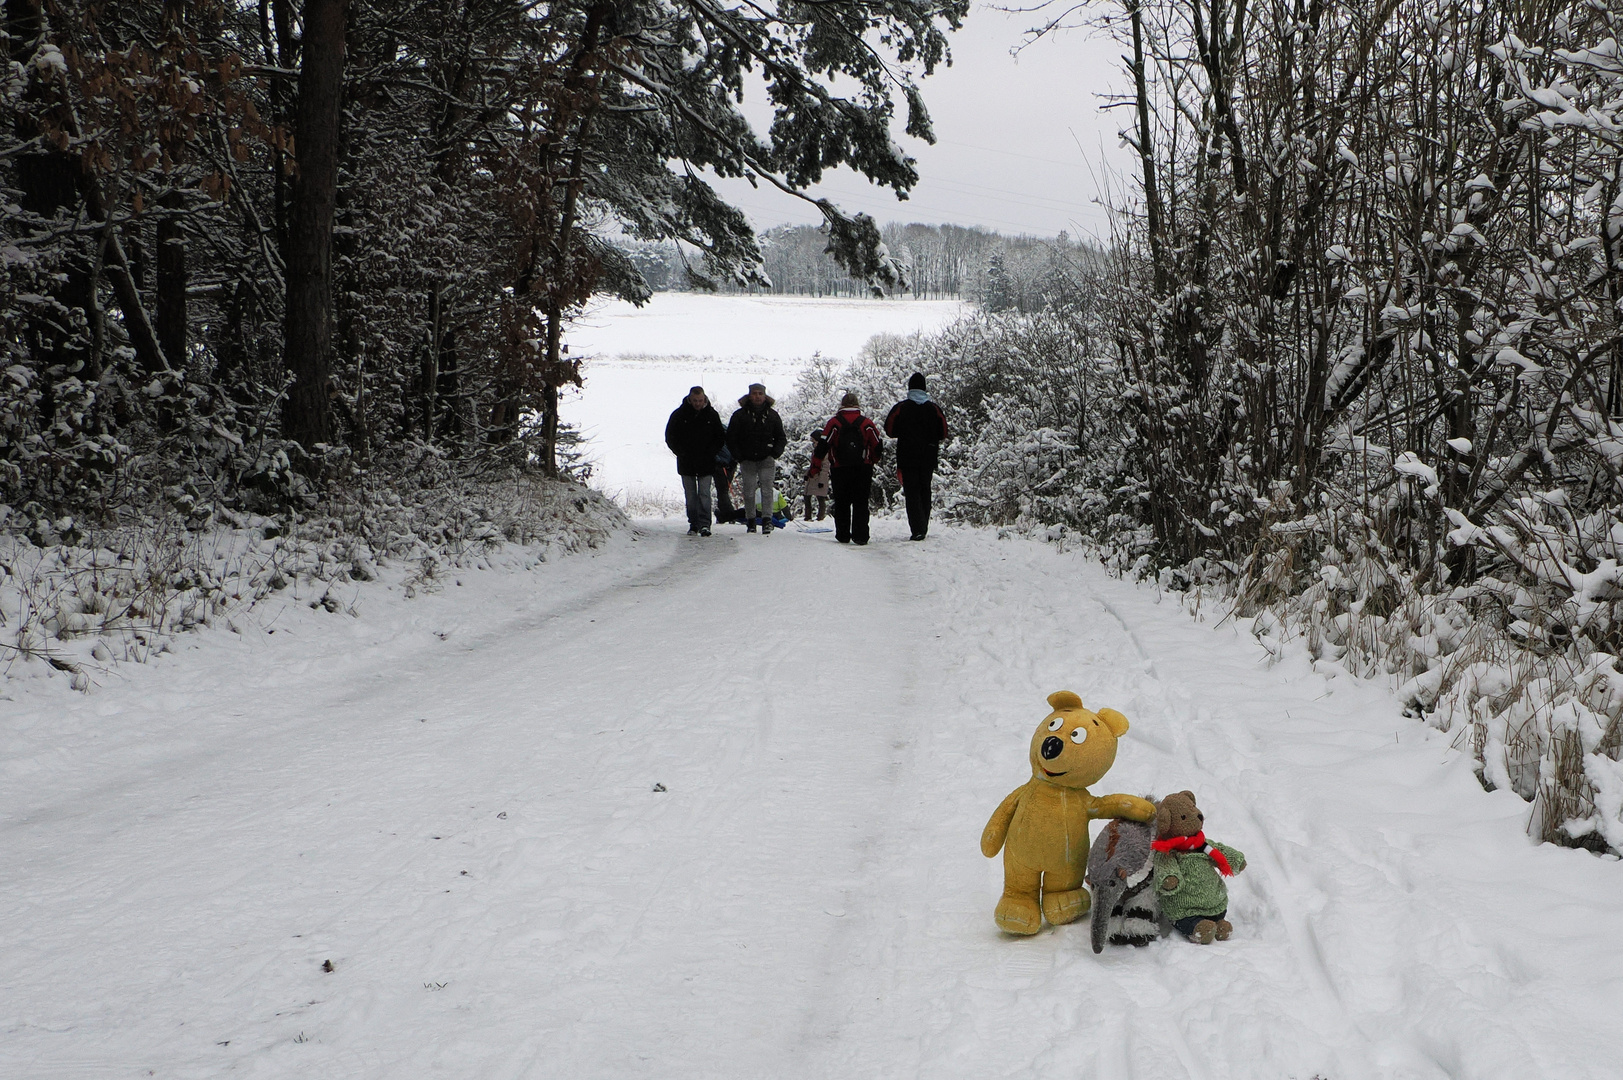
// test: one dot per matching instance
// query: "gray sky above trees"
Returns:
(1023, 145)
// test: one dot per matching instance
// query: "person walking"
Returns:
(919, 427)
(853, 446)
(723, 476)
(755, 437)
(817, 482)
(694, 434)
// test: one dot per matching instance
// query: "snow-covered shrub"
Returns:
(75, 600)
(1505, 667)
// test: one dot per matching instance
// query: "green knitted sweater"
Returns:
(1200, 888)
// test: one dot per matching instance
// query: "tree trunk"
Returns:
(1146, 153)
(307, 412)
(431, 365)
(48, 184)
(282, 50)
(561, 240)
(171, 294)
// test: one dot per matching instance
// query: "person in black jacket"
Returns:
(755, 437)
(695, 435)
(919, 427)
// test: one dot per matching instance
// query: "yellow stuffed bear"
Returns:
(1042, 826)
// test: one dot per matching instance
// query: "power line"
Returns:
(951, 217)
(901, 210)
(1011, 153)
(977, 191)
(1043, 202)
(870, 197)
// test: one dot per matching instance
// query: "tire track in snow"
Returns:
(868, 928)
(333, 694)
(1276, 883)
(743, 792)
(1185, 736)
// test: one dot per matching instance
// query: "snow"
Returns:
(454, 799)
(1409, 464)
(642, 362)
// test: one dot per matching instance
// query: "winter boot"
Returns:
(1204, 933)
(749, 525)
(1224, 929)
(766, 526)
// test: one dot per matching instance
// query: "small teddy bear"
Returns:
(1189, 871)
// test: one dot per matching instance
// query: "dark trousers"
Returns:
(916, 490)
(851, 485)
(1187, 926)
(724, 497)
(696, 492)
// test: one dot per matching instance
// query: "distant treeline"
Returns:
(1001, 273)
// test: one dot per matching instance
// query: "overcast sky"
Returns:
(1022, 144)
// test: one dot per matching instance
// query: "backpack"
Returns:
(850, 448)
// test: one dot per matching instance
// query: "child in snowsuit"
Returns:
(817, 483)
(723, 477)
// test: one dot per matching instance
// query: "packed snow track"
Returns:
(710, 808)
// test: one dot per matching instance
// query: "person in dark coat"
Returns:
(694, 434)
(919, 427)
(852, 444)
(755, 437)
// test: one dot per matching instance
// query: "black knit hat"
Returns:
(916, 381)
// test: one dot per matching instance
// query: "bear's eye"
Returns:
(1079, 736)
(1056, 723)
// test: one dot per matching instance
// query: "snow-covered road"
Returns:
(453, 799)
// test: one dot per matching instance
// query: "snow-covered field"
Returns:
(642, 362)
(711, 809)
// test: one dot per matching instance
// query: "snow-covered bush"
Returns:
(74, 600)
(1504, 667)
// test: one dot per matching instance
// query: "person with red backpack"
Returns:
(852, 444)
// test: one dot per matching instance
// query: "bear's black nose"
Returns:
(1052, 748)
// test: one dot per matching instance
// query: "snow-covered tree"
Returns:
(241, 234)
